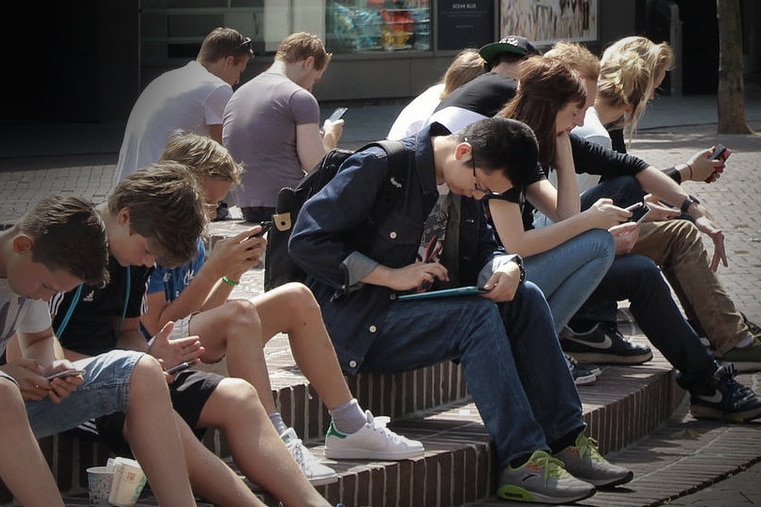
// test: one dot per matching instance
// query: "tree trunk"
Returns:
(730, 97)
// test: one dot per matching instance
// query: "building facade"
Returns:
(105, 52)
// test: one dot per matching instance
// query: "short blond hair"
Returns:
(301, 45)
(204, 157)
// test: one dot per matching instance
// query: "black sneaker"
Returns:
(725, 399)
(603, 344)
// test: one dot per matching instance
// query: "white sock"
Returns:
(278, 423)
(349, 417)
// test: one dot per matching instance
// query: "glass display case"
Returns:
(360, 26)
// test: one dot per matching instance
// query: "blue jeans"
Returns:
(106, 390)
(511, 357)
(624, 190)
(568, 273)
(638, 279)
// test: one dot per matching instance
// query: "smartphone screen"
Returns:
(338, 113)
(639, 213)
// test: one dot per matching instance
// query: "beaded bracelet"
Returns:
(227, 280)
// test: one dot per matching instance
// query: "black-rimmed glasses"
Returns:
(485, 192)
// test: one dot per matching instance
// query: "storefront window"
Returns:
(360, 26)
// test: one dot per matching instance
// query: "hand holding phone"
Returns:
(722, 153)
(338, 114)
(64, 373)
(639, 211)
(266, 226)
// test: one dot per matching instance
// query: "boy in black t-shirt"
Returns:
(101, 319)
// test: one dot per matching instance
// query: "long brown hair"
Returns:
(546, 86)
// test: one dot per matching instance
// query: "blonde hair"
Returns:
(204, 157)
(466, 66)
(577, 57)
(628, 73)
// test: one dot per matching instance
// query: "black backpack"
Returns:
(279, 268)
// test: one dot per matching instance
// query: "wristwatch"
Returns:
(691, 199)
(519, 261)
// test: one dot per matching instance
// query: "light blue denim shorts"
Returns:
(105, 390)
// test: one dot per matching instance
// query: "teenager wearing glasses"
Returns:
(191, 98)
(361, 251)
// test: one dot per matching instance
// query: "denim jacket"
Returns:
(347, 229)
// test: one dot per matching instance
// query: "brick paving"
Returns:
(672, 463)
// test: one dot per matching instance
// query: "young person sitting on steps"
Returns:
(57, 245)
(156, 206)
(196, 297)
(362, 251)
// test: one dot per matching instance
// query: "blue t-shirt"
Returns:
(172, 281)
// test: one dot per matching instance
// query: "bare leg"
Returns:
(235, 410)
(234, 330)
(28, 478)
(153, 435)
(240, 329)
(210, 477)
(293, 310)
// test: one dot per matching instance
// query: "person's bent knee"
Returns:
(237, 389)
(602, 241)
(9, 392)
(148, 366)
(299, 298)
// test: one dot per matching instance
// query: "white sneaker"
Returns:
(316, 473)
(372, 441)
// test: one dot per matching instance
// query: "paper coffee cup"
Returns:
(99, 481)
(129, 480)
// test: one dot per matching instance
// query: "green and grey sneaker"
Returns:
(746, 359)
(585, 462)
(542, 479)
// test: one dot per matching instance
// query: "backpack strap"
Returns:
(397, 159)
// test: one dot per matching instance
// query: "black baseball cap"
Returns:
(514, 44)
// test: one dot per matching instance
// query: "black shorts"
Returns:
(189, 392)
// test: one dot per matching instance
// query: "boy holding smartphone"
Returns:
(57, 245)
(196, 298)
(103, 318)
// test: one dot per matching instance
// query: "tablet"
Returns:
(458, 291)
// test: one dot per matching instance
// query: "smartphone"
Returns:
(458, 291)
(338, 113)
(266, 226)
(64, 373)
(638, 210)
(720, 153)
(180, 367)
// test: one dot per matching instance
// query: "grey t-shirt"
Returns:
(259, 129)
(18, 313)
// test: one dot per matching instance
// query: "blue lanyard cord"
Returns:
(78, 295)
(126, 299)
(69, 311)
